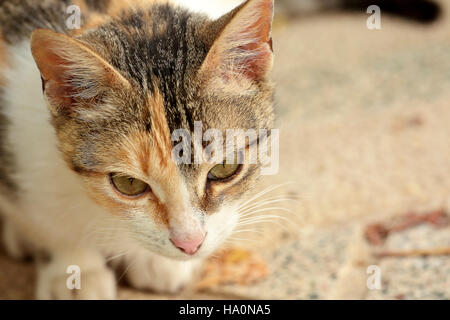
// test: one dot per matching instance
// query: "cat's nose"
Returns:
(188, 245)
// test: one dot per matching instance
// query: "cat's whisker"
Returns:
(132, 263)
(248, 230)
(258, 221)
(262, 216)
(249, 214)
(270, 208)
(265, 202)
(263, 192)
(260, 194)
(241, 239)
(290, 197)
(271, 218)
(262, 199)
(263, 212)
(271, 221)
(117, 256)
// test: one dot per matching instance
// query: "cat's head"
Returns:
(118, 91)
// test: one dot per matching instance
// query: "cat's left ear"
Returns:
(72, 73)
(243, 47)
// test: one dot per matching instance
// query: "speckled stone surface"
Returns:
(302, 268)
(415, 277)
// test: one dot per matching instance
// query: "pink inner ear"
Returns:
(258, 62)
(258, 65)
(53, 71)
(243, 49)
(71, 71)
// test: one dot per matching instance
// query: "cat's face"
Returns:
(117, 95)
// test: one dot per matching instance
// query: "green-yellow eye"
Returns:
(127, 185)
(223, 171)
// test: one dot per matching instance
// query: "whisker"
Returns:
(263, 192)
(248, 230)
(116, 256)
(240, 239)
(269, 200)
(271, 221)
(250, 213)
(262, 216)
(267, 209)
(126, 270)
(258, 221)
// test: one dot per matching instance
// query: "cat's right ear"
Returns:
(72, 74)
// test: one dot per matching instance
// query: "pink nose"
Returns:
(188, 246)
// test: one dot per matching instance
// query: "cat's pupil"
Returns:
(131, 180)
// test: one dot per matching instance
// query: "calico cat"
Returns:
(86, 172)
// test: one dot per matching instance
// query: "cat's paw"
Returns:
(160, 274)
(56, 281)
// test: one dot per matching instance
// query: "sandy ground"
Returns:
(364, 122)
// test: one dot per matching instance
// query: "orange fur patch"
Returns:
(147, 155)
(160, 129)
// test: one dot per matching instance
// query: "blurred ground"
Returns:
(364, 120)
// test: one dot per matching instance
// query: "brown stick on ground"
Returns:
(415, 253)
(376, 233)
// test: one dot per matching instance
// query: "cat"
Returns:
(86, 173)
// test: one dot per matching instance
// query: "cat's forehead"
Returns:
(160, 52)
(159, 44)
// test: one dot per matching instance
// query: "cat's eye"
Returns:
(223, 171)
(128, 186)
